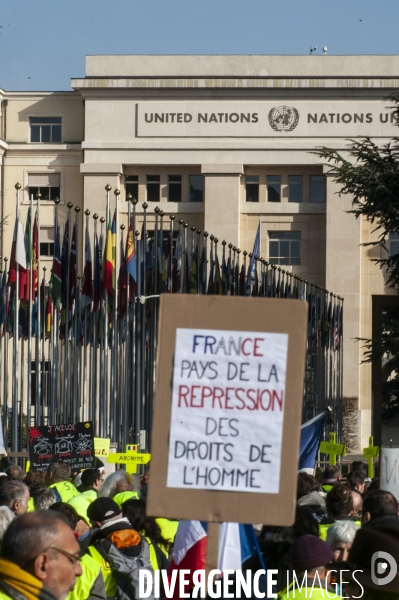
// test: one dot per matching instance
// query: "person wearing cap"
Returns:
(310, 558)
(372, 577)
(57, 479)
(108, 523)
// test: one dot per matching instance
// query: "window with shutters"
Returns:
(46, 241)
(48, 184)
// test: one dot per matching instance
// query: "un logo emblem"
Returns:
(283, 118)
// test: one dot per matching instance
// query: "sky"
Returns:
(43, 43)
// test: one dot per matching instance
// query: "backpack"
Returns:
(126, 569)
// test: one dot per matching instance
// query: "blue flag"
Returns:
(311, 433)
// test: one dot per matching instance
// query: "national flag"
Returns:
(56, 282)
(194, 273)
(176, 274)
(64, 278)
(225, 275)
(202, 272)
(218, 279)
(311, 433)
(72, 269)
(18, 257)
(87, 284)
(48, 317)
(255, 252)
(3, 299)
(109, 266)
(237, 543)
(130, 255)
(97, 272)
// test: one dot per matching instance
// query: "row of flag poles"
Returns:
(82, 344)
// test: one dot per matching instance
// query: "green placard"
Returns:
(124, 458)
(371, 452)
(331, 448)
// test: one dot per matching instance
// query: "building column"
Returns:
(343, 277)
(222, 201)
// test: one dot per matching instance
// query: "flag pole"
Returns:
(94, 383)
(108, 188)
(43, 345)
(75, 401)
(115, 379)
(66, 417)
(103, 343)
(128, 365)
(30, 322)
(14, 422)
(85, 411)
(6, 344)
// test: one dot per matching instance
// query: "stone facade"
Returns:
(234, 121)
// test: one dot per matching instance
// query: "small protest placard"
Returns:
(72, 443)
(228, 406)
(101, 447)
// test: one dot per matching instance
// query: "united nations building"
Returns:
(226, 144)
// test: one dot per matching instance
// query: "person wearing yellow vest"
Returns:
(310, 558)
(135, 511)
(332, 475)
(39, 558)
(109, 524)
(56, 478)
(339, 506)
(90, 585)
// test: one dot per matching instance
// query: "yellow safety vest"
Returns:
(66, 490)
(106, 570)
(168, 529)
(84, 583)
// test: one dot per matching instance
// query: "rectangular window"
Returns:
(47, 241)
(174, 192)
(285, 247)
(317, 188)
(295, 188)
(48, 184)
(393, 244)
(45, 129)
(252, 188)
(196, 188)
(153, 188)
(274, 188)
(132, 186)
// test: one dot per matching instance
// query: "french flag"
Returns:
(237, 543)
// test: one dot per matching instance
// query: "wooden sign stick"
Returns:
(212, 548)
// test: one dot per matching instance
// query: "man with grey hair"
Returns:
(15, 472)
(57, 479)
(15, 495)
(43, 499)
(39, 558)
(340, 538)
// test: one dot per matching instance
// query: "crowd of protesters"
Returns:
(81, 536)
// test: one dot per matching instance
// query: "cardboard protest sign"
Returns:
(389, 470)
(101, 447)
(227, 409)
(72, 443)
